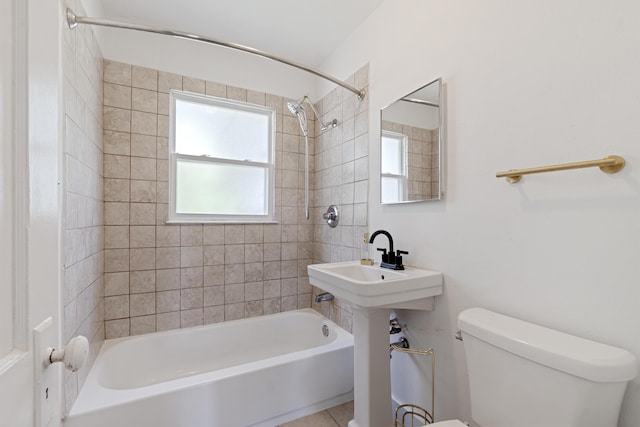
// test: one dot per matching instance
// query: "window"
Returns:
(221, 160)
(393, 167)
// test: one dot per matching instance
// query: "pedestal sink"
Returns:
(373, 291)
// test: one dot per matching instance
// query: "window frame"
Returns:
(403, 179)
(174, 157)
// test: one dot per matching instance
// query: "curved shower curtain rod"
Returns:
(73, 20)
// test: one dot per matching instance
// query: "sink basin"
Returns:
(372, 286)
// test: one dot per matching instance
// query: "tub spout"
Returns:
(326, 296)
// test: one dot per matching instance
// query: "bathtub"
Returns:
(261, 371)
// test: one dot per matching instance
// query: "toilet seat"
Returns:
(448, 423)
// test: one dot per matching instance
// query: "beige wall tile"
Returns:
(117, 96)
(233, 234)
(214, 314)
(117, 72)
(116, 166)
(216, 89)
(271, 305)
(143, 281)
(143, 168)
(144, 78)
(116, 213)
(167, 301)
(213, 255)
(143, 325)
(167, 235)
(213, 235)
(117, 119)
(143, 259)
(192, 317)
(116, 260)
(191, 298)
(233, 273)
(144, 123)
(167, 279)
(237, 93)
(142, 304)
(143, 191)
(117, 142)
(143, 146)
(163, 103)
(234, 311)
(142, 213)
(191, 277)
(144, 100)
(191, 235)
(168, 81)
(253, 309)
(116, 328)
(116, 283)
(213, 295)
(116, 237)
(168, 257)
(163, 126)
(142, 236)
(116, 307)
(193, 85)
(191, 256)
(213, 275)
(168, 321)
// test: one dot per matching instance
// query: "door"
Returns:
(29, 212)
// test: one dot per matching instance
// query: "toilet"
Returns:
(525, 375)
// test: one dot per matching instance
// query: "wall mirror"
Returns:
(411, 146)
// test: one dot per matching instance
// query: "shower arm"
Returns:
(73, 20)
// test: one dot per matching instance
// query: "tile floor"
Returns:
(338, 416)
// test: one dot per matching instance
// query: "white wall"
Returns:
(527, 84)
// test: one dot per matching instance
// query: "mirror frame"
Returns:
(440, 144)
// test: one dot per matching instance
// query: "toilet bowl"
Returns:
(515, 366)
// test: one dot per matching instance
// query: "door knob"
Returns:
(73, 355)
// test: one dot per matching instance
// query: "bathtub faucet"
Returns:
(325, 296)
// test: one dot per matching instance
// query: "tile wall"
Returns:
(342, 178)
(83, 285)
(160, 276)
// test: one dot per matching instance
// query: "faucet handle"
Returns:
(385, 256)
(398, 260)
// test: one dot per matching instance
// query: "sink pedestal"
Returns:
(372, 377)
(373, 292)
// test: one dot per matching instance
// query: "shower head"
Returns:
(295, 107)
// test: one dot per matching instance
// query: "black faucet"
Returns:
(390, 260)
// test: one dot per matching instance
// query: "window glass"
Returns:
(221, 131)
(221, 160)
(203, 187)
(392, 154)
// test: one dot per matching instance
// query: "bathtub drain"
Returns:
(325, 330)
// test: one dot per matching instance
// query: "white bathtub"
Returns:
(261, 371)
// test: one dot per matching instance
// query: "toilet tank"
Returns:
(525, 375)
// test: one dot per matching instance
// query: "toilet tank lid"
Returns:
(577, 356)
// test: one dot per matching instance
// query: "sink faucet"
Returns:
(390, 260)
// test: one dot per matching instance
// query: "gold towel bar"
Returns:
(610, 164)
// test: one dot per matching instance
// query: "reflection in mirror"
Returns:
(410, 147)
